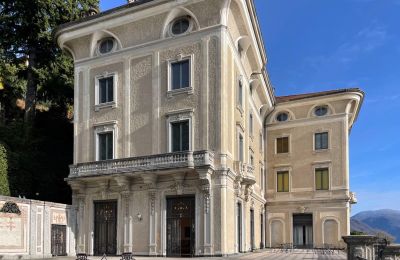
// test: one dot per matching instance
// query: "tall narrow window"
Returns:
(180, 73)
(105, 148)
(251, 123)
(240, 148)
(283, 181)
(322, 179)
(180, 136)
(106, 90)
(251, 158)
(261, 144)
(321, 141)
(240, 94)
(282, 145)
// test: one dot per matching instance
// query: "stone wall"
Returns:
(27, 227)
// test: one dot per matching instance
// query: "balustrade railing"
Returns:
(144, 163)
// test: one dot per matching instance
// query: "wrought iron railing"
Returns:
(144, 163)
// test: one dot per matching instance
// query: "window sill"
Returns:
(179, 91)
(105, 105)
(282, 154)
(321, 151)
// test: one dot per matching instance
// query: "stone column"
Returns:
(81, 224)
(126, 200)
(205, 182)
(360, 247)
(152, 222)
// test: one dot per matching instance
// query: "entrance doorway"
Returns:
(181, 226)
(105, 227)
(252, 229)
(302, 230)
(239, 226)
(58, 240)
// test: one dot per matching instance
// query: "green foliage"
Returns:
(37, 75)
(4, 188)
(357, 233)
(27, 45)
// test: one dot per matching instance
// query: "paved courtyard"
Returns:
(259, 255)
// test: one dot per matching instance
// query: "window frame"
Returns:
(114, 48)
(102, 128)
(188, 90)
(190, 28)
(315, 139)
(276, 145)
(113, 103)
(251, 124)
(322, 182)
(282, 171)
(240, 148)
(179, 116)
(240, 94)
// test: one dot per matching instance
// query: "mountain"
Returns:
(371, 222)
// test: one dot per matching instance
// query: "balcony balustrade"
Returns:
(144, 163)
(246, 171)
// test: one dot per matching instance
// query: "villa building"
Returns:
(181, 147)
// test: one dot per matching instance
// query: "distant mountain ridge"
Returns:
(372, 222)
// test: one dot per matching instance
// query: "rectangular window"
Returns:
(106, 90)
(261, 143)
(322, 179)
(105, 149)
(283, 181)
(240, 147)
(251, 159)
(251, 124)
(321, 141)
(180, 73)
(240, 94)
(282, 145)
(180, 136)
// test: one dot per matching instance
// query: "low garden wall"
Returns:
(35, 229)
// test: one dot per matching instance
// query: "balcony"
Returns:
(246, 172)
(156, 162)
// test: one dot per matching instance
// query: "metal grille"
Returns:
(105, 228)
(180, 226)
(58, 240)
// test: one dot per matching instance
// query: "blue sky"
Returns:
(315, 45)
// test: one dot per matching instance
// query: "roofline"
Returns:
(319, 94)
(93, 19)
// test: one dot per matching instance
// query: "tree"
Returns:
(4, 188)
(25, 29)
(36, 96)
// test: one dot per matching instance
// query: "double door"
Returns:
(58, 240)
(181, 226)
(105, 227)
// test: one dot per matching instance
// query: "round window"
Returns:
(180, 26)
(106, 45)
(281, 117)
(321, 111)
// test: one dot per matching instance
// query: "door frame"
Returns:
(117, 216)
(65, 253)
(312, 225)
(198, 210)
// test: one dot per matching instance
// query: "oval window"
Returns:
(321, 111)
(180, 26)
(106, 45)
(281, 117)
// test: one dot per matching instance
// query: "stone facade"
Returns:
(29, 232)
(230, 108)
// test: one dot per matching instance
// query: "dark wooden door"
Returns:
(180, 226)
(58, 240)
(252, 229)
(105, 228)
(239, 226)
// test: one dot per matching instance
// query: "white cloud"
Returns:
(366, 40)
